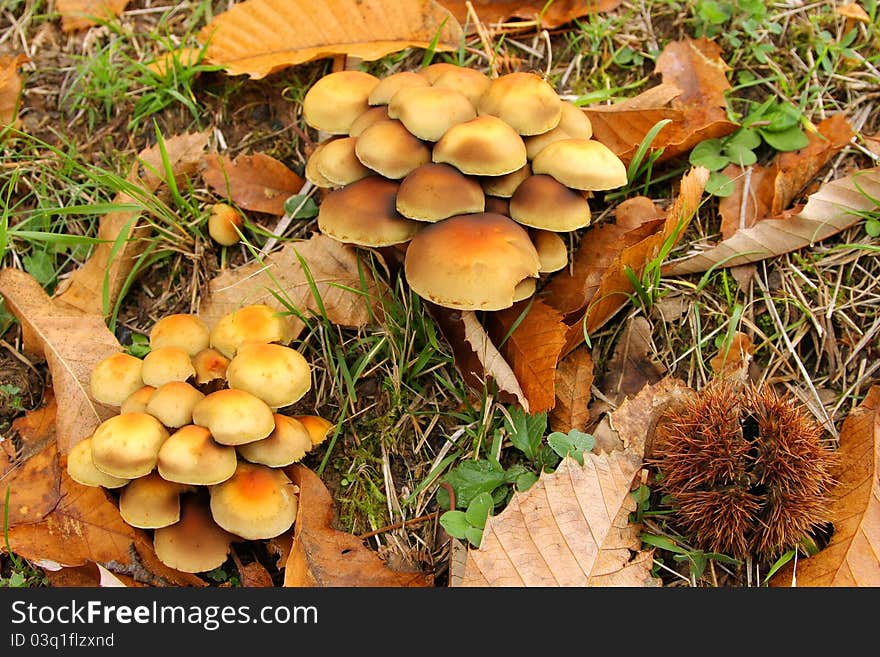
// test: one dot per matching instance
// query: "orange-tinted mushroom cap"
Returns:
(484, 146)
(337, 99)
(127, 445)
(185, 331)
(257, 502)
(288, 443)
(584, 164)
(541, 201)
(523, 100)
(172, 403)
(389, 149)
(437, 191)
(82, 470)
(116, 377)
(164, 364)
(429, 112)
(233, 416)
(190, 455)
(150, 501)
(254, 323)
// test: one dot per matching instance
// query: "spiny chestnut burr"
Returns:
(747, 470)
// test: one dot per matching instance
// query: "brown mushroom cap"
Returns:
(584, 164)
(497, 205)
(288, 443)
(551, 249)
(82, 470)
(116, 377)
(389, 149)
(525, 101)
(575, 121)
(429, 112)
(150, 502)
(536, 143)
(190, 455)
(365, 213)
(137, 401)
(368, 118)
(164, 364)
(432, 71)
(504, 186)
(391, 84)
(339, 164)
(311, 172)
(234, 417)
(277, 374)
(210, 365)
(257, 323)
(127, 445)
(437, 191)
(468, 81)
(541, 201)
(257, 502)
(471, 262)
(318, 427)
(337, 99)
(196, 543)
(225, 224)
(484, 146)
(172, 403)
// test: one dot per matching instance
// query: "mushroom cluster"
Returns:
(477, 177)
(198, 447)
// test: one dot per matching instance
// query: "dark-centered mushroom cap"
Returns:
(584, 164)
(337, 99)
(234, 417)
(116, 377)
(365, 213)
(190, 455)
(541, 201)
(471, 262)
(389, 149)
(436, 191)
(277, 374)
(318, 427)
(484, 146)
(338, 163)
(127, 445)
(210, 365)
(150, 502)
(195, 543)
(523, 100)
(391, 84)
(429, 112)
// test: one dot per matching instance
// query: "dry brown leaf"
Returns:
(72, 342)
(259, 37)
(492, 363)
(256, 182)
(335, 268)
(548, 14)
(691, 95)
(179, 57)
(837, 205)
(570, 528)
(851, 557)
(90, 575)
(733, 359)
(573, 384)
(80, 14)
(632, 365)
(253, 574)
(322, 556)
(10, 89)
(84, 288)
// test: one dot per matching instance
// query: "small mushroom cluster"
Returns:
(476, 176)
(198, 447)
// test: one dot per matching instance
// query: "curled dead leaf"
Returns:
(256, 182)
(10, 89)
(81, 14)
(538, 14)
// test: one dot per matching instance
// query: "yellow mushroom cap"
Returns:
(368, 118)
(255, 323)
(551, 249)
(196, 543)
(116, 377)
(137, 401)
(288, 443)
(468, 81)
(82, 470)
(433, 71)
(338, 163)
(257, 502)
(318, 427)
(484, 146)
(504, 186)
(389, 149)
(429, 112)
(337, 99)
(210, 365)
(437, 191)
(190, 455)
(523, 100)
(311, 172)
(172, 403)
(391, 84)
(150, 501)
(182, 330)
(225, 224)
(277, 374)
(127, 445)
(584, 164)
(524, 289)
(164, 364)
(541, 201)
(234, 417)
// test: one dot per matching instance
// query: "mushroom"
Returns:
(339, 164)
(288, 443)
(504, 186)
(137, 401)
(541, 201)
(433, 71)
(190, 455)
(391, 84)
(318, 427)
(225, 224)
(471, 262)
(256, 502)
(195, 543)
(365, 213)
(234, 416)
(574, 124)
(389, 149)
(127, 445)
(182, 330)
(497, 205)
(277, 374)
(257, 322)
(210, 365)
(150, 502)
(337, 99)
(468, 81)
(172, 403)
(551, 248)
(584, 164)
(311, 172)
(82, 470)
(429, 112)
(484, 146)
(116, 377)
(437, 191)
(524, 289)
(164, 364)
(523, 100)
(368, 118)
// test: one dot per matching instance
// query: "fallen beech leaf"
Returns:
(80, 14)
(253, 574)
(84, 289)
(179, 57)
(72, 342)
(632, 365)
(772, 189)
(851, 557)
(32, 431)
(636, 211)
(10, 89)
(573, 386)
(326, 557)
(570, 528)
(493, 363)
(634, 420)
(691, 94)
(259, 37)
(872, 143)
(335, 269)
(733, 360)
(837, 205)
(256, 182)
(548, 15)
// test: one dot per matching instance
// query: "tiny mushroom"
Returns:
(210, 365)
(551, 248)
(137, 401)
(484, 146)
(391, 84)
(115, 377)
(172, 403)
(437, 191)
(584, 164)
(164, 364)
(82, 470)
(183, 330)
(339, 164)
(288, 443)
(257, 502)
(318, 427)
(337, 99)
(233, 416)
(389, 149)
(150, 502)
(127, 445)
(429, 112)
(257, 322)
(190, 455)
(277, 374)
(523, 100)
(541, 201)
(225, 224)
(196, 543)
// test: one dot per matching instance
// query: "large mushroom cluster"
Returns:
(198, 447)
(477, 177)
